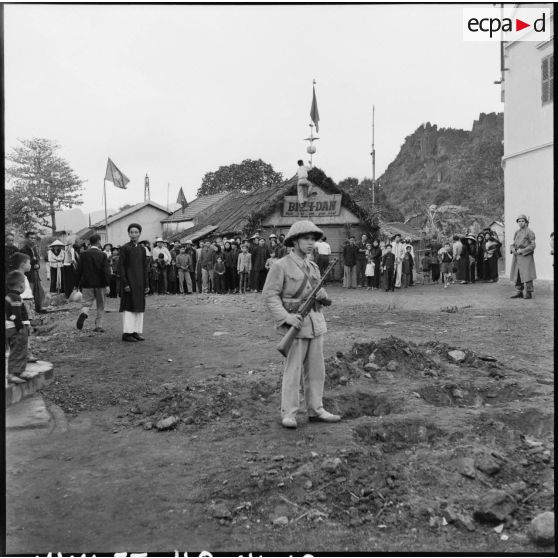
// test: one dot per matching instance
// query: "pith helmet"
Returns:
(301, 228)
(523, 217)
(55, 244)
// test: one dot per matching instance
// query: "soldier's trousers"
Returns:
(519, 285)
(305, 360)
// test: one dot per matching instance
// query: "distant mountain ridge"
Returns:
(450, 166)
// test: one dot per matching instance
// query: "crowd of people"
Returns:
(390, 265)
(230, 265)
(219, 266)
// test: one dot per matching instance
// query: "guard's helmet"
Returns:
(301, 228)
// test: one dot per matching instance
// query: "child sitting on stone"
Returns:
(17, 329)
(22, 262)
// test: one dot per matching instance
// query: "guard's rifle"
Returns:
(285, 344)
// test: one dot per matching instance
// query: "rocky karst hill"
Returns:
(446, 165)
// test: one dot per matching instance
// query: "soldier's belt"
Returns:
(292, 305)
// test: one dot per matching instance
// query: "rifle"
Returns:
(285, 344)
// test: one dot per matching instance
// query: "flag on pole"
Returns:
(182, 200)
(314, 114)
(113, 175)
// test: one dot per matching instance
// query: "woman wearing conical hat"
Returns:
(55, 259)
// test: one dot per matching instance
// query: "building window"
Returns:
(547, 73)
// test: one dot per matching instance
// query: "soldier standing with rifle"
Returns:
(294, 297)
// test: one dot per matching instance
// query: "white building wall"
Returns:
(528, 159)
(529, 190)
(148, 217)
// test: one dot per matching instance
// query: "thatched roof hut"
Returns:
(275, 209)
(242, 213)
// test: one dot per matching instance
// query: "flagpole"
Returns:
(311, 149)
(106, 218)
(311, 123)
(373, 161)
(168, 187)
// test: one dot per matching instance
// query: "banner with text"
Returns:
(317, 206)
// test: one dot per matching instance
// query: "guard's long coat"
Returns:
(524, 262)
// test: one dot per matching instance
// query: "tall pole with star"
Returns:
(314, 121)
(373, 154)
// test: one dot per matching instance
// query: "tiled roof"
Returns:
(196, 206)
(200, 232)
(126, 212)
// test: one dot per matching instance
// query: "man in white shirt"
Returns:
(324, 251)
(161, 249)
(303, 185)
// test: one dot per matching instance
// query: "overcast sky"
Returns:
(177, 91)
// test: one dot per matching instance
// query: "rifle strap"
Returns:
(307, 279)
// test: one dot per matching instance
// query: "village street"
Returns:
(411, 467)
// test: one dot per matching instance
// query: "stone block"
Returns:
(29, 413)
(541, 529)
(494, 507)
(38, 375)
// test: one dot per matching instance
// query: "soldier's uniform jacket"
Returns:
(286, 287)
(524, 262)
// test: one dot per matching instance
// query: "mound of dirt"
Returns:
(202, 402)
(412, 356)
(405, 353)
(341, 370)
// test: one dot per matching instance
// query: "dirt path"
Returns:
(107, 480)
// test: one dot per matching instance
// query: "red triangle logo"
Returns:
(519, 25)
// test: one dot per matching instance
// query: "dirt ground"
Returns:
(424, 440)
